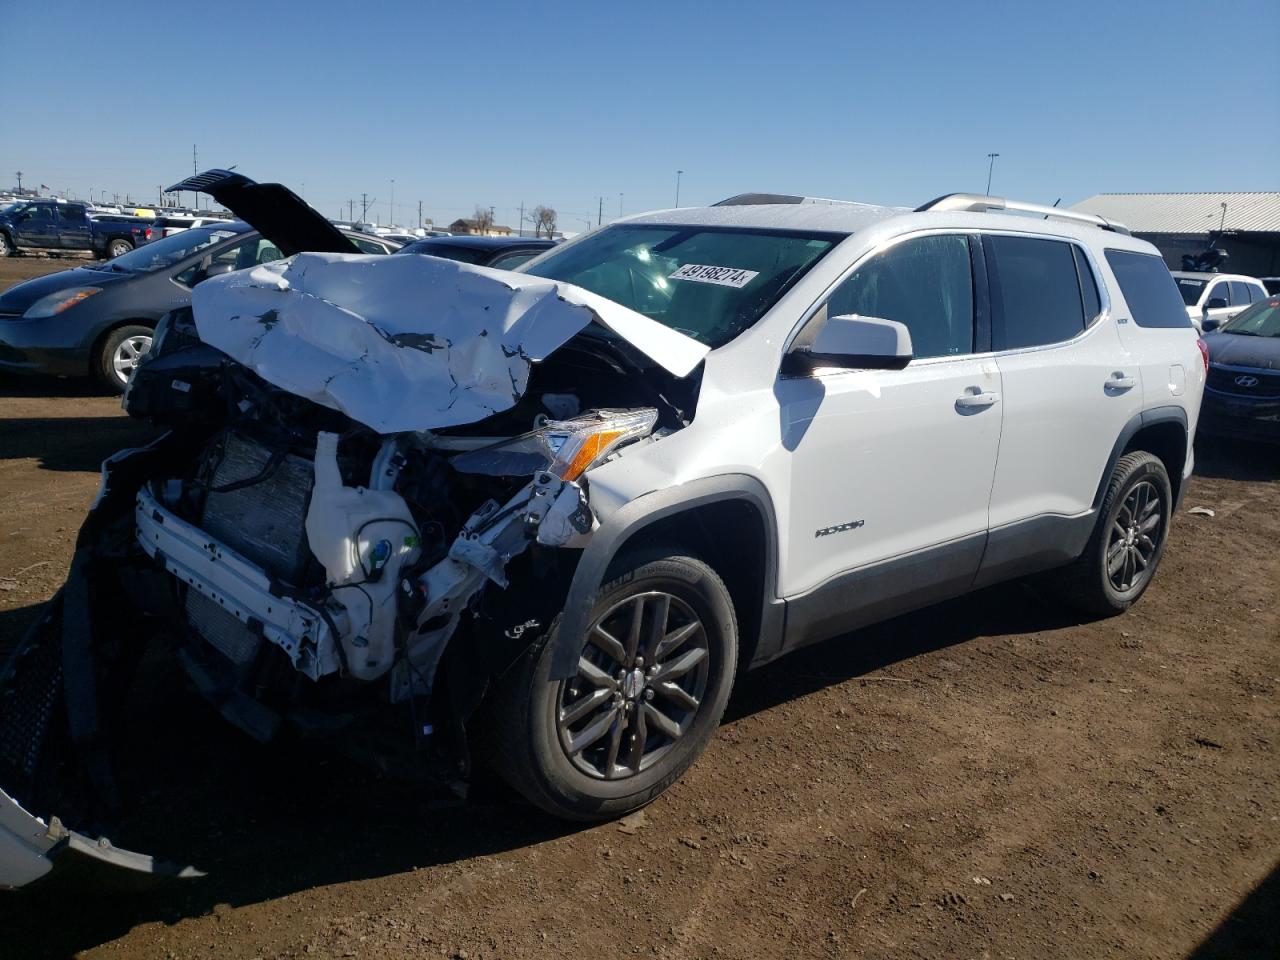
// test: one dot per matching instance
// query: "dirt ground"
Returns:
(986, 778)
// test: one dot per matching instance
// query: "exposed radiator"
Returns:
(265, 521)
(221, 630)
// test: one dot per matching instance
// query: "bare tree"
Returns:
(544, 218)
(484, 220)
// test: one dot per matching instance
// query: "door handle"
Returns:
(1119, 381)
(975, 401)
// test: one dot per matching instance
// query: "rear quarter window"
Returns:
(1148, 289)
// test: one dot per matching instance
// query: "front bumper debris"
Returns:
(29, 847)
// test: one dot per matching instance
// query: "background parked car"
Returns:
(1242, 392)
(367, 243)
(1214, 298)
(166, 226)
(97, 320)
(54, 225)
(505, 253)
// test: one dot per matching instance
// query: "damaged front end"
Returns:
(357, 518)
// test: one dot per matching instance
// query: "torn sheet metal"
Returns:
(409, 343)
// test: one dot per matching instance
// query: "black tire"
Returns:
(526, 739)
(118, 247)
(105, 367)
(6, 246)
(1091, 582)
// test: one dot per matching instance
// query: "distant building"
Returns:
(1246, 225)
(475, 229)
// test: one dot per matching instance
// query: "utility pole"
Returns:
(160, 189)
(391, 220)
(600, 212)
(195, 168)
(364, 208)
(991, 165)
(620, 204)
(419, 213)
(350, 209)
(520, 229)
(679, 174)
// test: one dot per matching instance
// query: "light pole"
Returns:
(620, 196)
(391, 221)
(991, 165)
(587, 221)
(679, 174)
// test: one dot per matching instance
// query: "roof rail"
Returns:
(759, 199)
(976, 202)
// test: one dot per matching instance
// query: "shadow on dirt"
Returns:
(77, 444)
(42, 386)
(1252, 929)
(269, 821)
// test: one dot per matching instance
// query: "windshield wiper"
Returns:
(1241, 333)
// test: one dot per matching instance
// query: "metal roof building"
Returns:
(1246, 225)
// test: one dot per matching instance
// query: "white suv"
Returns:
(1214, 298)
(545, 516)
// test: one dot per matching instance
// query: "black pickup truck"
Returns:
(54, 225)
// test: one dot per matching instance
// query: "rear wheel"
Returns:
(121, 351)
(1128, 542)
(6, 246)
(654, 674)
(118, 247)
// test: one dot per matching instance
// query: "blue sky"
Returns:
(561, 103)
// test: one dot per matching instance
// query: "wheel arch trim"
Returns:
(631, 519)
(1170, 413)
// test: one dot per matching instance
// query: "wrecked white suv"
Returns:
(538, 520)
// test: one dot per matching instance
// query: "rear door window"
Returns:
(1035, 291)
(1240, 294)
(71, 212)
(1149, 289)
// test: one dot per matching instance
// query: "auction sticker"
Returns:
(722, 276)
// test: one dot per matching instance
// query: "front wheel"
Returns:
(6, 246)
(121, 351)
(1128, 542)
(654, 674)
(118, 248)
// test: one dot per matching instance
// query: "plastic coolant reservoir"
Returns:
(362, 537)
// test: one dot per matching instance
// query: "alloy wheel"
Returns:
(1134, 537)
(128, 355)
(642, 677)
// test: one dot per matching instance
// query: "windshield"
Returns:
(1190, 290)
(1260, 320)
(13, 206)
(710, 283)
(170, 250)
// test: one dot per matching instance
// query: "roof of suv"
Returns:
(836, 216)
(1202, 275)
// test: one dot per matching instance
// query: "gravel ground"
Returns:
(987, 778)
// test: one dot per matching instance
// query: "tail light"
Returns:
(1204, 353)
(147, 233)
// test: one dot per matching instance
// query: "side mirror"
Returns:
(853, 343)
(214, 270)
(1215, 303)
(1210, 323)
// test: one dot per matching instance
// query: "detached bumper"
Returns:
(29, 846)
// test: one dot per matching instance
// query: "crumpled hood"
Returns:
(409, 343)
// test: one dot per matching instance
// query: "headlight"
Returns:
(566, 448)
(55, 303)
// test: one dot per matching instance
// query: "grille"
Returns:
(264, 521)
(28, 697)
(222, 630)
(1224, 381)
